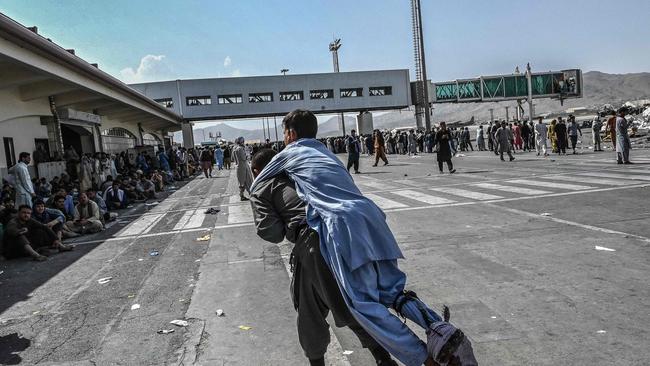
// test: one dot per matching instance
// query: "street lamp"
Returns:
(284, 71)
(334, 48)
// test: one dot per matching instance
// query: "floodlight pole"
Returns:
(334, 48)
(422, 84)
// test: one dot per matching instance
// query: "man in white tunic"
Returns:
(22, 180)
(540, 137)
(623, 144)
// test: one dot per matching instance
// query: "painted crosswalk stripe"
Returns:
(418, 196)
(238, 214)
(519, 190)
(196, 220)
(377, 185)
(141, 224)
(183, 220)
(604, 181)
(618, 176)
(467, 194)
(413, 183)
(569, 187)
(384, 203)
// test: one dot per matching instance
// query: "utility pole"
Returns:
(276, 129)
(529, 77)
(422, 86)
(492, 115)
(284, 71)
(507, 115)
(334, 48)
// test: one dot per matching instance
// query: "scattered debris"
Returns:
(180, 323)
(140, 259)
(220, 312)
(166, 331)
(192, 285)
(198, 260)
(154, 253)
(604, 249)
(245, 327)
(546, 214)
(212, 211)
(204, 238)
(135, 306)
(36, 312)
(601, 331)
(406, 175)
(493, 317)
(130, 296)
(104, 280)
(152, 203)
(347, 352)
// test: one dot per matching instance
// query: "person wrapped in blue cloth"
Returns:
(361, 251)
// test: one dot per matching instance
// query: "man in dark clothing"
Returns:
(280, 213)
(27, 237)
(443, 149)
(115, 197)
(354, 149)
(561, 135)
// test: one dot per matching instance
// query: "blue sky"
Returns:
(156, 40)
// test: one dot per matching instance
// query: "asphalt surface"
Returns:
(543, 261)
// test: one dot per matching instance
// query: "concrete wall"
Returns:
(398, 80)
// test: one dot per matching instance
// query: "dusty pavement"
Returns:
(542, 261)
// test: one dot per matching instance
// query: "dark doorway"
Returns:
(10, 152)
(79, 138)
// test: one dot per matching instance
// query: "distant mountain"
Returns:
(599, 88)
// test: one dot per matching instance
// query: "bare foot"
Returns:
(40, 258)
(65, 248)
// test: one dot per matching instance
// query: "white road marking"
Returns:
(238, 214)
(183, 220)
(196, 220)
(572, 178)
(151, 226)
(418, 196)
(467, 194)
(569, 187)
(139, 225)
(413, 183)
(618, 176)
(519, 190)
(384, 203)
(377, 185)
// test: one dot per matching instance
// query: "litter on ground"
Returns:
(604, 249)
(135, 306)
(220, 312)
(180, 323)
(104, 280)
(204, 238)
(154, 253)
(346, 352)
(166, 331)
(245, 327)
(212, 211)
(546, 214)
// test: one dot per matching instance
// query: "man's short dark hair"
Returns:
(23, 155)
(24, 206)
(262, 158)
(303, 122)
(39, 202)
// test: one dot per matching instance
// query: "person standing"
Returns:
(552, 136)
(218, 157)
(525, 135)
(24, 188)
(561, 136)
(480, 138)
(354, 149)
(443, 148)
(541, 131)
(206, 163)
(244, 175)
(380, 150)
(623, 144)
(572, 130)
(611, 129)
(503, 136)
(490, 136)
(227, 156)
(518, 142)
(596, 126)
(412, 143)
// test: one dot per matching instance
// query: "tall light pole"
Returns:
(422, 87)
(284, 71)
(334, 48)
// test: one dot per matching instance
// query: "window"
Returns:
(291, 95)
(321, 94)
(351, 92)
(10, 153)
(377, 91)
(203, 100)
(260, 97)
(230, 99)
(165, 102)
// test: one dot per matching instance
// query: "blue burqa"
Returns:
(356, 243)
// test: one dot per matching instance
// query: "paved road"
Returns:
(542, 261)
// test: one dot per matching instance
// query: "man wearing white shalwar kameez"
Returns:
(23, 181)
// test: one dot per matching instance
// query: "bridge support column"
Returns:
(188, 135)
(365, 124)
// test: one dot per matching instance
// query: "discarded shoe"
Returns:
(212, 211)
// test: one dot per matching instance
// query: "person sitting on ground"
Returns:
(145, 187)
(87, 217)
(104, 186)
(8, 211)
(25, 236)
(279, 213)
(157, 180)
(103, 209)
(61, 201)
(44, 188)
(48, 218)
(115, 197)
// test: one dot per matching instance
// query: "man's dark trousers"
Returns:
(353, 161)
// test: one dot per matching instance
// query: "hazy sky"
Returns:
(157, 40)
